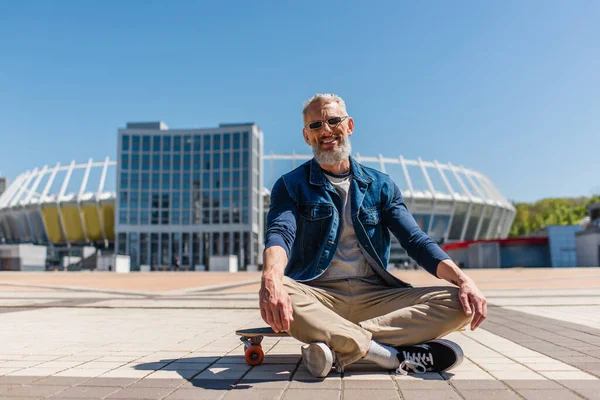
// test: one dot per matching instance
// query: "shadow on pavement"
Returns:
(222, 373)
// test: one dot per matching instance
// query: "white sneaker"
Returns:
(318, 359)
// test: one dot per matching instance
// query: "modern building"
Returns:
(185, 195)
(588, 240)
(3, 185)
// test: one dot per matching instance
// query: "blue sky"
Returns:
(510, 89)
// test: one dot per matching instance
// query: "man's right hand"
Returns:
(275, 304)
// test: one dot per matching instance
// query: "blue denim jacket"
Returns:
(304, 219)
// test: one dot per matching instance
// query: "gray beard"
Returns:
(332, 157)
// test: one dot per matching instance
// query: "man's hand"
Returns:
(473, 302)
(275, 304)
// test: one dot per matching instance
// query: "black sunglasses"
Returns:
(335, 121)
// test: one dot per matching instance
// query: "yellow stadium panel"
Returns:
(52, 224)
(72, 221)
(92, 222)
(108, 216)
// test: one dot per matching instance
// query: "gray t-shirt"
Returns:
(349, 261)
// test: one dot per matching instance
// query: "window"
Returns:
(197, 143)
(206, 142)
(135, 184)
(124, 181)
(166, 181)
(245, 135)
(123, 199)
(226, 157)
(135, 143)
(217, 142)
(216, 180)
(123, 217)
(226, 141)
(145, 162)
(175, 217)
(133, 217)
(122, 243)
(186, 181)
(226, 179)
(145, 181)
(125, 161)
(236, 159)
(156, 162)
(177, 162)
(125, 143)
(216, 161)
(236, 140)
(145, 143)
(206, 180)
(166, 143)
(177, 143)
(166, 161)
(187, 162)
(145, 200)
(165, 217)
(236, 179)
(156, 143)
(187, 144)
(135, 162)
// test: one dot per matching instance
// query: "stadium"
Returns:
(74, 205)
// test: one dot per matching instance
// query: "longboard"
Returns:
(252, 338)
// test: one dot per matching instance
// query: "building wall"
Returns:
(3, 185)
(588, 248)
(186, 195)
(525, 256)
(561, 241)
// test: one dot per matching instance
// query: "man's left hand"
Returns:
(473, 302)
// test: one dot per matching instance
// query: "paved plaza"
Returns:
(171, 335)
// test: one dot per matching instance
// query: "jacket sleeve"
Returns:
(420, 247)
(281, 219)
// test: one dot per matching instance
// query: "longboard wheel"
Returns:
(254, 355)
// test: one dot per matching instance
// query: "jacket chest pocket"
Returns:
(369, 216)
(315, 220)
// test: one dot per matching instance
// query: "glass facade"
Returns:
(186, 195)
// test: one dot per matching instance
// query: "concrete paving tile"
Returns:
(362, 394)
(316, 384)
(184, 366)
(100, 365)
(149, 393)
(35, 371)
(158, 383)
(261, 384)
(253, 394)
(532, 384)
(216, 384)
(195, 394)
(480, 375)
(270, 372)
(4, 388)
(379, 384)
(429, 376)
(17, 380)
(34, 390)
(423, 384)
(124, 373)
(567, 375)
(580, 384)
(505, 375)
(429, 395)
(79, 372)
(224, 371)
(496, 394)
(543, 394)
(299, 394)
(181, 374)
(61, 380)
(590, 394)
(6, 371)
(461, 385)
(109, 382)
(93, 392)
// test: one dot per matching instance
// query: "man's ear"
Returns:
(350, 126)
(305, 134)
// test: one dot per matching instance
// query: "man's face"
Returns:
(330, 144)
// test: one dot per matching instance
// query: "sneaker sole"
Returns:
(318, 359)
(457, 350)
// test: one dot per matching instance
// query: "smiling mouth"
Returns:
(329, 141)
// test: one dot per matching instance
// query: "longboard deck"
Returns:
(265, 331)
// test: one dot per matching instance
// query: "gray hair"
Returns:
(325, 98)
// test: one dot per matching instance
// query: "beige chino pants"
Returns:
(348, 313)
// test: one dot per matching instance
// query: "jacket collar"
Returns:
(317, 177)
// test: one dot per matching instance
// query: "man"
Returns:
(327, 247)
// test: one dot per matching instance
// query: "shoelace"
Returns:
(414, 362)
